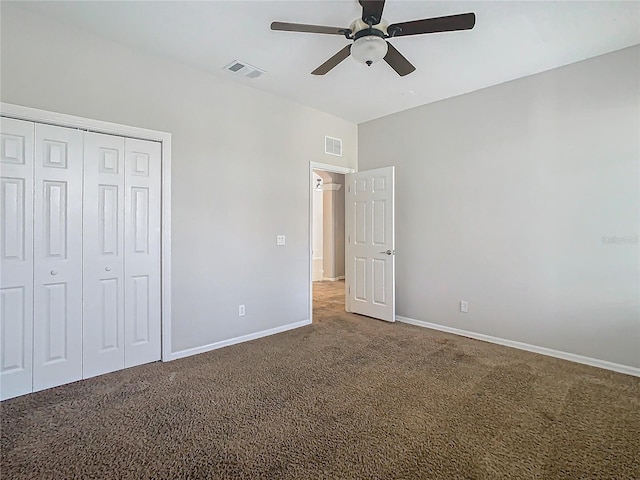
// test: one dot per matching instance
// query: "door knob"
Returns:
(54, 272)
(107, 269)
(389, 252)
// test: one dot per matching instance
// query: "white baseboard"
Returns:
(572, 357)
(333, 279)
(232, 341)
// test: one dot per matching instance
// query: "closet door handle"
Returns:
(107, 269)
(54, 272)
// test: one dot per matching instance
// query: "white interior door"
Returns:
(142, 251)
(370, 247)
(16, 257)
(103, 252)
(57, 339)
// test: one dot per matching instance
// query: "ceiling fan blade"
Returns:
(299, 27)
(398, 62)
(451, 23)
(372, 10)
(333, 61)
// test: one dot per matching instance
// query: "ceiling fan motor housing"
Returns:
(358, 25)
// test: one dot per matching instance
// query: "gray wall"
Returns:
(333, 226)
(523, 199)
(240, 168)
(338, 225)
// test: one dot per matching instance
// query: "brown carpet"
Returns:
(347, 397)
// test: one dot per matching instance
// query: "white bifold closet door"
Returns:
(121, 253)
(103, 233)
(142, 180)
(79, 255)
(57, 274)
(16, 257)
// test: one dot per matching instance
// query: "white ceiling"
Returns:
(510, 40)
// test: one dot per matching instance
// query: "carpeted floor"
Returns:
(347, 397)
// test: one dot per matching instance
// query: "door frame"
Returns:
(29, 114)
(324, 167)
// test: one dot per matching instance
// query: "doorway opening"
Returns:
(327, 229)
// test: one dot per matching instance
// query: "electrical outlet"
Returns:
(241, 311)
(281, 240)
(464, 306)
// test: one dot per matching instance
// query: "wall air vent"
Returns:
(333, 146)
(243, 69)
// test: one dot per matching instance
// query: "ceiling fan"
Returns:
(370, 33)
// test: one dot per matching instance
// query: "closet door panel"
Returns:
(57, 340)
(142, 251)
(16, 257)
(103, 231)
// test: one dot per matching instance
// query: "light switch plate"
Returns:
(280, 240)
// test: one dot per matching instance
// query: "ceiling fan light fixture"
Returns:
(369, 49)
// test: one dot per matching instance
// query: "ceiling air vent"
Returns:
(333, 146)
(244, 69)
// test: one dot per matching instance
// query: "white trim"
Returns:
(317, 269)
(572, 357)
(325, 167)
(71, 121)
(166, 249)
(333, 279)
(233, 341)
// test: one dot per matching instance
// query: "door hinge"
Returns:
(349, 288)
